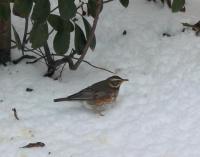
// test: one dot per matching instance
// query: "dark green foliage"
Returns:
(41, 11)
(61, 42)
(79, 39)
(68, 26)
(92, 7)
(22, 8)
(61, 25)
(39, 35)
(56, 22)
(177, 5)
(88, 30)
(124, 3)
(67, 9)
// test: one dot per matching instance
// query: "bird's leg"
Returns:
(97, 110)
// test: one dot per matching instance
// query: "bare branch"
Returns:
(16, 61)
(34, 61)
(107, 1)
(54, 9)
(91, 36)
(25, 34)
(94, 66)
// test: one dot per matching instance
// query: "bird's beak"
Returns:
(124, 80)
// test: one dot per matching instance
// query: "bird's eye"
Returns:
(115, 83)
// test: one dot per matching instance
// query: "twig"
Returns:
(107, 1)
(54, 9)
(25, 35)
(13, 47)
(15, 113)
(32, 50)
(50, 61)
(13, 41)
(34, 61)
(40, 51)
(31, 145)
(51, 32)
(70, 56)
(94, 66)
(27, 39)
(61, 71)
(48, 53)
(80, 6)
(16, 61)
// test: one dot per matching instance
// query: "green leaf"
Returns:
(59, 24)
(68, 26)
(39, 35)
(41, 11)
(92, 5)
(61, 42)
(56, 22)
(22, 8)
(4, 11)
(67, 8)
(177, 5)
(17, 38)
(125, 3)
(88, 30)
(79, 39)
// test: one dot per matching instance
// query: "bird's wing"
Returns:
(89, 93)
(85, 94)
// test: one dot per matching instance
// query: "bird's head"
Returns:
(115, 81)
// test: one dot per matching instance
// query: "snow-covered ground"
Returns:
(157, 113)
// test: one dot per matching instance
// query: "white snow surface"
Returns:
(157, 113)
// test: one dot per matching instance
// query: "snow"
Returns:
(156, 113)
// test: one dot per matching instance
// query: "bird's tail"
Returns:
(61, 99)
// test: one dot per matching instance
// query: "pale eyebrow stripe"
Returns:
(115, 79)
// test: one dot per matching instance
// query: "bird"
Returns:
(99, 94)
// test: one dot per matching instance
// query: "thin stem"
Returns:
(13, 41)
(62, 70)
(87, 62)
(26, 49)
(39, 49)
(54, 9)
(14, 46)
(94, 66)
(34, 61)
(81, 5)
(107, 1)
(25, 35)
(51, 32)
(47, 51)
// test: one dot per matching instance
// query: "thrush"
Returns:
(98, 94)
